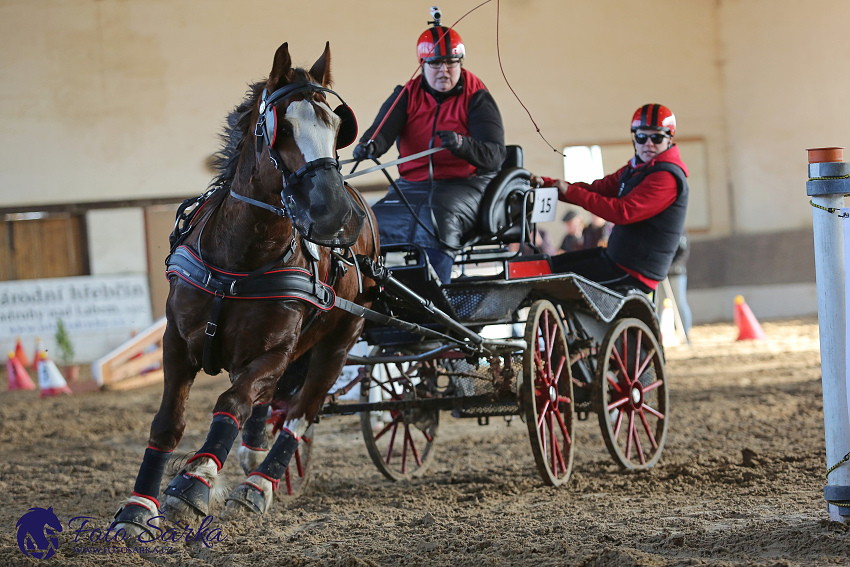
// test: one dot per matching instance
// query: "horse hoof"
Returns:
(247, 496)
(135, 519)
(187, 492)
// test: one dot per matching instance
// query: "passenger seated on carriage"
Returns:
(646, 200)
(446, 106)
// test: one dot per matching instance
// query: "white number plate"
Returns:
(545, 204)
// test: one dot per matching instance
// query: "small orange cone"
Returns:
(669, 336)
(37, 354)
(748, 325)
(18, 377)
(20, 354)
(50, 380)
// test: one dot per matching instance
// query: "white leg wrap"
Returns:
(142, 501)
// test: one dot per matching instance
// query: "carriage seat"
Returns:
(500, 210)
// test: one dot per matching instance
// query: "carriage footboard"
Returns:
(404, 293)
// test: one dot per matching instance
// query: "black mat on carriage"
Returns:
(495, 299)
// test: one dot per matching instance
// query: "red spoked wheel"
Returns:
(546, 392)
(632, 386)
(399, 442)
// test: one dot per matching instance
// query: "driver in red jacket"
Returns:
(446, 106)
(646, 200)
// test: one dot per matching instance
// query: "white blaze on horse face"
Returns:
(313, 136)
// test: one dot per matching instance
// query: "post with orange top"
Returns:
(828, 182)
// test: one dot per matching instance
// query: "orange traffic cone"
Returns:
(748, 325)
(18, 377)
(20, 354)
(50, 380)
(669, 336)
(37, 354)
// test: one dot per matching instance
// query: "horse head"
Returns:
(301, 134)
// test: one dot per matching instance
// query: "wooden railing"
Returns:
(134, 364)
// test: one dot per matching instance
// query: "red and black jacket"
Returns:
(647, 203)
(468, 109)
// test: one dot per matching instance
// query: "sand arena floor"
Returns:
(740, 481)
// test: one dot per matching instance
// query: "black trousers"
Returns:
(595, 265)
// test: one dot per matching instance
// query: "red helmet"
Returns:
(654, 117)
(439, 42)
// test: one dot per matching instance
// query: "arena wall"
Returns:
(120, 102)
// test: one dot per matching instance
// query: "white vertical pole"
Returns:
(827, 189)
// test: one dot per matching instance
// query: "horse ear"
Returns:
(280, 68)
(321, 70)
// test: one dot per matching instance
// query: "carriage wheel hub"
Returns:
(636, 395)
(553, 394)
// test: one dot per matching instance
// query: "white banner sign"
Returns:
(85, 304)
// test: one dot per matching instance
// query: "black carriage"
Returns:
(520, 340)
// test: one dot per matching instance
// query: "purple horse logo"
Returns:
(37, 533)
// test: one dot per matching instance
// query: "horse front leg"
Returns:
(255, 442)
(257, 492)
(140, 513)
(190, 493)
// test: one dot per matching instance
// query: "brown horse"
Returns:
(254, 274)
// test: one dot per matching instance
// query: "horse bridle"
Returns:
(266, 128)
(266, 132)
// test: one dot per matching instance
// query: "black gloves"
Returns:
(364, 150)
(452, 141)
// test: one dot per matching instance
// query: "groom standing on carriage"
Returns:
(435, 203)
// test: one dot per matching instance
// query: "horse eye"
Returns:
(284, 129)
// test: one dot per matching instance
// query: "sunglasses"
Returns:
(656, 138)
(449, 63)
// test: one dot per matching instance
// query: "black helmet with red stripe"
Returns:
(655, 117)
(439, 42)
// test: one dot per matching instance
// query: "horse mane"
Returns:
(226, 160)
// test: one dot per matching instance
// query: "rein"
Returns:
(382, 166)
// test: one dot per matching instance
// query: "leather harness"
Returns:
(265, 283)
